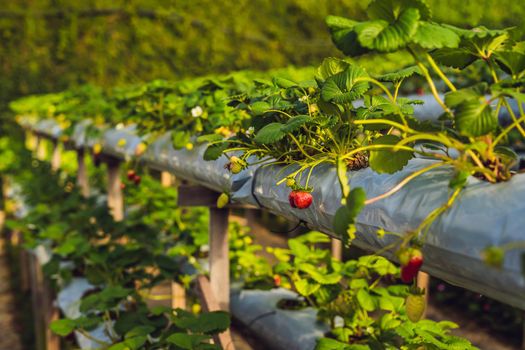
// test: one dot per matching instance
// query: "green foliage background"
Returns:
(49, 45)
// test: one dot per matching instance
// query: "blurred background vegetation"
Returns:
(50, 45)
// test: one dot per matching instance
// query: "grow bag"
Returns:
(483, 215)
(283, 329)
(189, 165)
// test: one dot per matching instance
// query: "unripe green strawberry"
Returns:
(290, 182)
(404, 256)
(235, 168)
(223, 200)
(415, 307)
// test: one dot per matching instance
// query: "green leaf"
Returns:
(399, 75)
(345, 86)
(331, 66)
(366, 300)
(284, 83)
(475, 118)
(295, 123)
(342, 219)
(434, 36)
(213, 152)
(344, 36)
(63, 327)
(343, 179)
(388, 10)
(180, 139)
(187, 341)
(356, 202)
(209, 322)
(322, 278)
(270, 133)
(305, 288)
(387, 160)
(459, 180)
(454, 57)
(455, 98)
(259, 107)
(332, 344)
(511, 62)
(387, 36)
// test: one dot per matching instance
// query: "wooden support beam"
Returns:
(200, 196)
(36, 282)
(82, 175)
(178, 293)
(41, 152)
(337, 248)
(219, 256)
(209, 303)
(50, 314)
(423, 281)
(56, 156)
(115, 197)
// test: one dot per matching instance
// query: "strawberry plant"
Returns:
(358, 299)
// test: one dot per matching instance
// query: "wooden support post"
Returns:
(209, 303)
(55, 156)
(219, 256)
(337, 249)
(36, 282)
(115, 198)
(178, 294)
(41, 151)
(50, 314)
(82, 176)
(423, 281)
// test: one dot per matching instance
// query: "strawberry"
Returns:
(131, 174)
(290, 182)
(277, 280)
(122, 186)
(223, 200)
(137, 179)
(140, 149)
(415, 305)
(235, 165)
(409, 270)
(420, 91)
(291, 199)
(302, 199)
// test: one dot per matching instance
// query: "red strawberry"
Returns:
(420, 91)
(410, 270)
(137, 179)
(302, 199)
(122, 186)
(131, 175)
(291, 199)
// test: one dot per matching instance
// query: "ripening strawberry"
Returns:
(410, 270)
(415, 306)
(302, 199)
(277, 280)
(137, 179)
(131, 174)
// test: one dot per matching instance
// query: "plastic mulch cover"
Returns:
(189, 165)
(283, 329)
(484, 215)
(48, 127)
(121, 142)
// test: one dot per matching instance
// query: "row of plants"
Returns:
(125, 260)
(301, 125)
